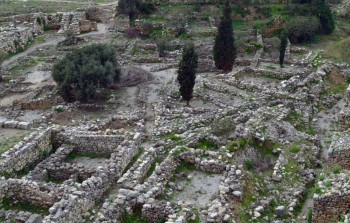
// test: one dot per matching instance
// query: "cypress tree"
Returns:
(326, 18)
(128, 7)
(283, 47)
(186, 74)
(224, 48)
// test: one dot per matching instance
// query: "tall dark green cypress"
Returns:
(186, 74)
(283, 46)
(224, 48)
(326, 18)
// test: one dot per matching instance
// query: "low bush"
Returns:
(302, 29)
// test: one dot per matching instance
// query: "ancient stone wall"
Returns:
(81, 197)
(340, 157)
(330, 208)
(97, 144)
(19, 190)
(38, 104)
(27, 152)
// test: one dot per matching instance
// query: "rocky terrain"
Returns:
(262, 143)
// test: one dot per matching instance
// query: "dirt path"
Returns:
(101, 29)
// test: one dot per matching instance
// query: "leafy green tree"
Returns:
(80, 73)
(224, 48)
(186, 74)
(283, 46)
(302, 29)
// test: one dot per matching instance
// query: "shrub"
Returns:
(223, 126)
(181, 30)
(38, 20)
(58, 109)
(318, 190)
(81, 72)
(162, 47)
(336, 169)
(309, 215)
(249, 164)
(302, 29)
(294, 149)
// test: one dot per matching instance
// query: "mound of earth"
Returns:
(133, 76)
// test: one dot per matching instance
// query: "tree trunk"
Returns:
(188, 103)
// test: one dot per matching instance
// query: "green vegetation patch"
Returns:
(336, 169)
(74, 154)
(16, 7)
(8, 143)
(294, 148)
(184, 167)
(132, 218)
(7, 204)
(207, 145)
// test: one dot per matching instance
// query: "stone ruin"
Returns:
(131, 162)
(332, 201)
(63, 190)
(24, 28)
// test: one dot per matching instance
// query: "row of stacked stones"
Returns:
(332, 200)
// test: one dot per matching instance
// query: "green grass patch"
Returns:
(7, 204)
(74, 154)
(196, 220)
(133, 160)
(174, 137)
(16, 7)
(336, 169)
(132, 218)
(153, 167)
(249, 164)
(256, 44)
(294, 148)
(270, 67)
(309, 216)
(260, 24)
(179, 151)
(318, 190)
(8, 143)
(184, 167)
(239, 25)
(26, 64)
(206, 145)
